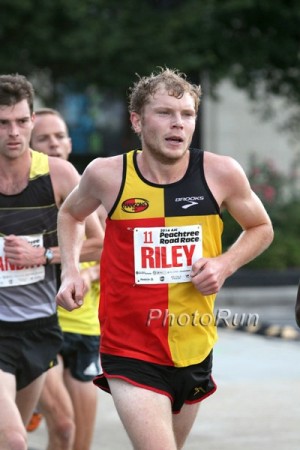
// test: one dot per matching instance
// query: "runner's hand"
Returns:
(71, 293)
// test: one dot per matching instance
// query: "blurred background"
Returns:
(82, 56)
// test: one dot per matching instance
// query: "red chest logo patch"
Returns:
(135, 205)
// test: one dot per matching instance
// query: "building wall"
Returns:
(233, 126)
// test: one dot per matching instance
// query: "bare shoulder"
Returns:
(221, 165)
(225, 176)
(64, 178)
(102, 178)
(104, 167)
(60, 167)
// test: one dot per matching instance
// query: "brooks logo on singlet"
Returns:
(189, 201)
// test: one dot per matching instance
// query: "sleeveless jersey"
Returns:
(149, 308)
(29, 293)
(83, 320)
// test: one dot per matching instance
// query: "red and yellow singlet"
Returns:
(149, 309)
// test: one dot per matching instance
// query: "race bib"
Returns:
(166, 254)
(13, 275)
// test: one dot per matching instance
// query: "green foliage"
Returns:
(281, 198)
(106, 42)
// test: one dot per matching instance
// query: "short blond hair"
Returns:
(174, 81)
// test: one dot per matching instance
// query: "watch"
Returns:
(48, 255)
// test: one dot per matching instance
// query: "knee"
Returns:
(13, 440)
(63, 431)
(66, 429)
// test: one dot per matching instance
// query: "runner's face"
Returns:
(16, 123)
(50, 136)
(166, 125)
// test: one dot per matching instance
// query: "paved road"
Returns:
(257, 402)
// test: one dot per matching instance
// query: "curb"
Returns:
(260, 297)
(286, 332)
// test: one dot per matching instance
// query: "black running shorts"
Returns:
(181, 384)
(28, 349)
(80, 353)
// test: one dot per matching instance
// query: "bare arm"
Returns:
(231, 189)
(79, 205)
(99, 184)
(92, 246)
(90, 274)
(90, 249)
(21, 253)
(64, 178)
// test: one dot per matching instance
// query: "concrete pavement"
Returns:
(256, 405)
